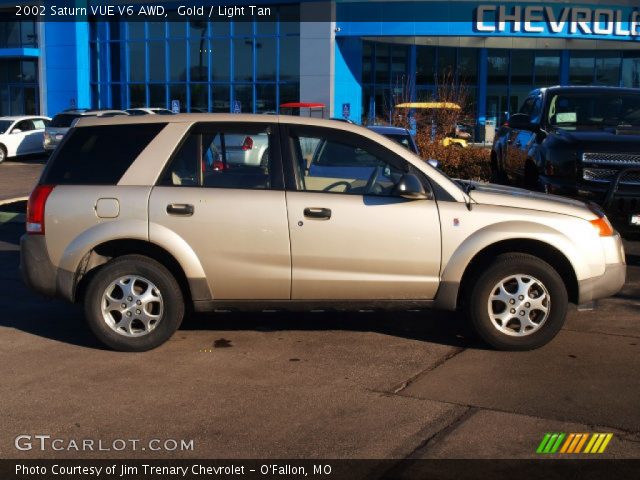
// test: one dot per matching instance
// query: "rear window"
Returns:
(63, 120)
(99, 155)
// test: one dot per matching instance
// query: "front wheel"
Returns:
(518, 303)
(3, 153)
(133, 304)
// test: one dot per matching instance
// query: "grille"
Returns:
(618, 159)
(606, 175)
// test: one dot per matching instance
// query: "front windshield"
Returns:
(588, 111)
(4, 125)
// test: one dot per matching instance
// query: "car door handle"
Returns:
(183, 209)
(313, 212)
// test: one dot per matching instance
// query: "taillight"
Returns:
(218, 166)
(35, 209)
(247, 144)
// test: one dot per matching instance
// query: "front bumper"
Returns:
(606, 285)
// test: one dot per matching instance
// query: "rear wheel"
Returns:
(518, 303)
(133, 304)
(3, 153)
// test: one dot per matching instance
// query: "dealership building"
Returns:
(356, 57)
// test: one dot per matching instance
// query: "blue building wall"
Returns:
(348, 80)
(66, 57)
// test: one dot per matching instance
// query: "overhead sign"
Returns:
(547, 19)
(346, 110)
(175, 106)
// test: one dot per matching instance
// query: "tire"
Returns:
(531, 177)
(3, 153)
(151, 322)
(498, 326)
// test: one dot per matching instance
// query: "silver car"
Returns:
(130, 219)
(63, 121)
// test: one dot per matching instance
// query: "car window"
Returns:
(24, 125)
(39, 123)
(337, 164)
(4, 125)
(98, 155)
(63, 120)
(222, 157)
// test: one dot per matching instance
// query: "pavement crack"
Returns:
(443, 432)
(400, 387)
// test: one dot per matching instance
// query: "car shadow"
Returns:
(57, 320)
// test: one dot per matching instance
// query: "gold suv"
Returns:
(138, 217)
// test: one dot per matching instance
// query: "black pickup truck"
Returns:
(582, 142)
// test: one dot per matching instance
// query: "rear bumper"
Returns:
(37, 271)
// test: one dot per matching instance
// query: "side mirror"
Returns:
(410, 187)
(433, 162)
(16, 130)
(521, 121)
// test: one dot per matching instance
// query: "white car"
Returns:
(21, 135)
(148, 111)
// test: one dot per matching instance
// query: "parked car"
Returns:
(150, 232)
(63, 121)
(582, 142)
(148, 111)
(21, 135)
(400, 135)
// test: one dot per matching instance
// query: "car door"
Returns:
(351, 237)
(233, 216)
(20, 137)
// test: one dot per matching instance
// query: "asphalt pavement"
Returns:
(313, 385)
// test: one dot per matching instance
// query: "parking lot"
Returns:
(314, 385)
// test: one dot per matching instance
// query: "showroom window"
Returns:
(206, 66)
(19, 87)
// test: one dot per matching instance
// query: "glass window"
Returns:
(217, 157)
(522, 67)
(29, 71)
(332, 165)
(425, 64)
(116, 54)
(289, 16)
(289, 92)
(177, 25)
(266, 59)
(157, 63)
(290, 58)
(498, 71)
(156, 29)
(137, 96)
(220, 60)
(399, 68)
(136, 30)
(199, 98)
(157, 96)
(382, 63)
(631, 70)
(547, 68)
(116, 96)
(39, 123)
(367, 62)
(197, 29)
(177, 61)
(9, 34)
(468, 65)
(266, 98)
(137, 65)
(581, 67)
(199, 60)
(99, 155)
(608, 68)
(576, 111)
(220, 99)
(243, 59)
(244, 94)
(28, 34)
(242, 28)
(446, 61)
(221, 28)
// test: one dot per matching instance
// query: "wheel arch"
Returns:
(100, 254)
(537, 248)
